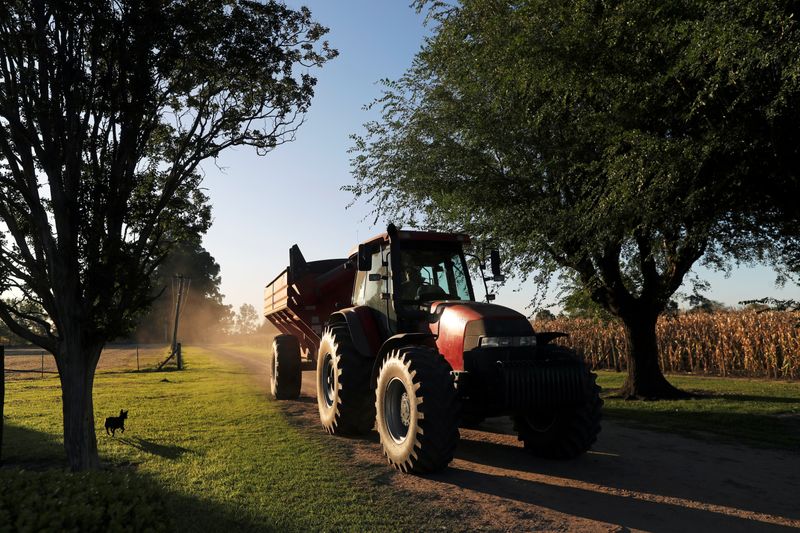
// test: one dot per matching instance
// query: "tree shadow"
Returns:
(31, 450)
(164, 370)
(628, 461)
(731, 427)
(733, 397)
(29, 454)
(154, 448)
(621, 509)
(704, 394)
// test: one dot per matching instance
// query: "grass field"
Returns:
(753, 411)
(205, 450)
(211, 448)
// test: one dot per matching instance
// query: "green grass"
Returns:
(751, 411)
(205, 450)
(215, 451)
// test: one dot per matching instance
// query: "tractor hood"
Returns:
(459, 326)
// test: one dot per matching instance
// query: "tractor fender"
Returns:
(547, 336)
(363, 327)
(402, 339)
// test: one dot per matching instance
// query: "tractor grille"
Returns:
(529, 384)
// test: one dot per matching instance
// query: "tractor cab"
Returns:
(402, 273)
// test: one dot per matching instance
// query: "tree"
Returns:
(699, 303)
(107, 110)
(619, 141)
(247, 320)
(205, 316)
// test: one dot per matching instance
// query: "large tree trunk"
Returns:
(2, 396)
(645, 379)
(76, 369)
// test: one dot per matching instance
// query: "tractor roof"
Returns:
(408, 235)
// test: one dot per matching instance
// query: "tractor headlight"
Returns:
(506, 342)
(529, 340)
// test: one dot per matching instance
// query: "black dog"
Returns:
(116, 423)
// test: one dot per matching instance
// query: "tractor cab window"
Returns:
(432, 271)
(358, 288)
(373, 289)
(368, 292)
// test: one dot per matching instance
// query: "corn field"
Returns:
(735, 343)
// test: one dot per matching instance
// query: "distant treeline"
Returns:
(729, 343)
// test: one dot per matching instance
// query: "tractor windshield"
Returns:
(432, 271)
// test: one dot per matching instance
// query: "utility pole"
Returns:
(177, 314)
(179, 301)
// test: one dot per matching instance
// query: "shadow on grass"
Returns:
(148, 371)
(34, 463)
(707, 395)
(31, 450)
(154, 448)
(771, 431)
(733, 397)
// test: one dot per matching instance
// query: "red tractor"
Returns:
(399, 343)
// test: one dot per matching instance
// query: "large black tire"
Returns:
(344, 396)
(284, 363)
(417, 410)
(563, 433)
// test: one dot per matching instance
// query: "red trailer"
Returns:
(299, 301)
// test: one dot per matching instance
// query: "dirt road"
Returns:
(633, 480)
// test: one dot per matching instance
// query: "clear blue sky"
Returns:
(263, 205)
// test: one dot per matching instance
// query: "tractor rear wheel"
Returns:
(417, 410)
(284, 363)
(343, 391)
(567, 432)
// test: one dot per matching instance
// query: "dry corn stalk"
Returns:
(736, 343)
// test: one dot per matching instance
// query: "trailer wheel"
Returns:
(417, 410)
(563, 433)
(343, 390)
(284, 363)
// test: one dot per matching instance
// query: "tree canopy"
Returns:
(619, 141)
(107, 110)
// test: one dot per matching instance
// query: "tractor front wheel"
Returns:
(567, 432)
(417, 410)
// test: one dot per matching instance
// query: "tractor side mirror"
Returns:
(364, 258)
(495, 261)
